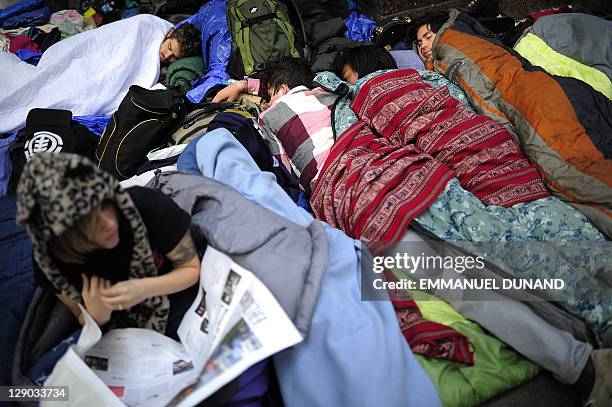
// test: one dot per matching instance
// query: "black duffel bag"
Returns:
(144, 121)
(48, 131)
(391, 31)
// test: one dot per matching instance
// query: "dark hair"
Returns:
(364, 60)
(189, 39)
(435, 21)
(288, 71)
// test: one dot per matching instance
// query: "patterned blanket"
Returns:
(458, 216)
(411, 139)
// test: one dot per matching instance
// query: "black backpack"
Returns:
(247, 132)
(391, 31)
(145, 119)
(52, 131)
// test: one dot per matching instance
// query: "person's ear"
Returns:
(284, 89)
(169, 33)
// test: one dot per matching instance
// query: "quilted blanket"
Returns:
(16, 283)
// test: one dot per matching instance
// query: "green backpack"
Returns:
(261, 34)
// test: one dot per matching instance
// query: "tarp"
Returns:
(360, 27)
(19, 8)
(31, 18)
(216, 46)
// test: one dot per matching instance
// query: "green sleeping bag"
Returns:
(497, 368)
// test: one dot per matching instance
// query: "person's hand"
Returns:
(94, 305)
(125, 294)
(230, 93)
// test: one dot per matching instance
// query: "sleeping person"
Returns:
(346, 196)
(107, 248)
(546, 111)
(181, 42)
(91, 72)
(349, 328)
(299, 124)
(423, 32)
(357, 62)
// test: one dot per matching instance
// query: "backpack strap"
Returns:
(307, 51)
(256, 20)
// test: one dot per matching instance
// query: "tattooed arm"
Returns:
(186, 273)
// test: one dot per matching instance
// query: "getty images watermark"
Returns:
(459, 264)
(529, 271)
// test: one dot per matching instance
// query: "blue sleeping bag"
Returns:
(19, 8)
(16, 282)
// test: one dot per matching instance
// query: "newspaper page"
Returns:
(140, 365)
(241, 321)
(85, 386)
(233, 323)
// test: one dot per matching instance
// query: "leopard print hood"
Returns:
(54, 192)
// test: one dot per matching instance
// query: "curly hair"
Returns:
(189, 39)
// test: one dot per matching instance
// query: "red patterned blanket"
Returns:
(411, 139)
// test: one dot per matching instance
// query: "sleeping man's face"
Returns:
(170, 51)
(425, 39)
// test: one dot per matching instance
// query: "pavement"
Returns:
(542, 391)
(517, 9)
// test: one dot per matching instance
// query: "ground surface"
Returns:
(413, 8)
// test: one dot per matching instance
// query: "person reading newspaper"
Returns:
(107, 248)
(232, 324)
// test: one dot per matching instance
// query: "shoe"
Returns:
(601, 395)
(483, 8)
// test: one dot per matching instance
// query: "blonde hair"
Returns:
(73, 244)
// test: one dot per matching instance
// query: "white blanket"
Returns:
(88, 73)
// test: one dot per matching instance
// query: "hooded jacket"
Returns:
(54, 192)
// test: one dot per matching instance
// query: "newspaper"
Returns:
(85, 388)
(233, 323)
